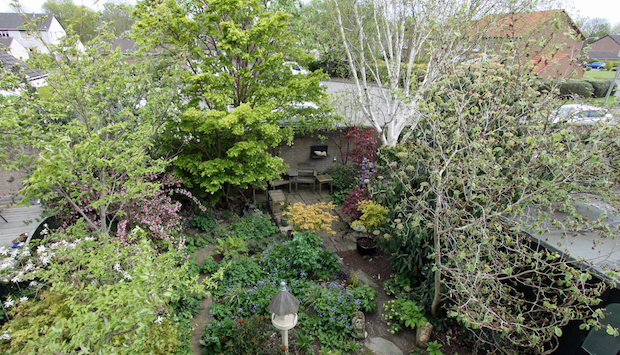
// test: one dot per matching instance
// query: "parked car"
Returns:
(583, 115)
(596, 65)
(295, 68)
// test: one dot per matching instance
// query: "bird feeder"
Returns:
(283, 307)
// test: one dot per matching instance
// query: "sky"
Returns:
(609, 9)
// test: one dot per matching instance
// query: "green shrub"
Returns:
(236, 336)
(601, 86)
(299, 258)
(209, 266)
(231, 247)
(402, 312)
(253, 227)
(243, 271)
(609, 64)
(204, 222)
(576, 87)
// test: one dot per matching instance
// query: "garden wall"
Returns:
(299, 155)
(10, 182)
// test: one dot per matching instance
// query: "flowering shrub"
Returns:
(367, 172)
(154, 211)
(100, 292)
(364, 143)
(351, 203)
(236, 336)
(314, 217)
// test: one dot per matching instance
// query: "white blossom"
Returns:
(9, 302)
(159, 319)
(23, 299)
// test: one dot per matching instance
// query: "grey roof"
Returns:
(615, 38)
(5, 42)
(13, 21)
(127, 45)
(603, 55)
(9, 62)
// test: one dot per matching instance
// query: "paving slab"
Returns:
(382, 346)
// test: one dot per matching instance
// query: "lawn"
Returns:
(599, 74)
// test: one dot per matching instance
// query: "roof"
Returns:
(13, 21)
(6, 41)
(603, 55)
(615, 38)
(8, 62)
(544, 61)
(517, 24)
(126, 45)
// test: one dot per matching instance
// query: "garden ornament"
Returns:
(358, 320)
(283, 307)
(423, 335)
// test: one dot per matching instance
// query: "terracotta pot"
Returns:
(366, 246)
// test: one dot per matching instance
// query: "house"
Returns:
(549, 39)
(32, 31)
(606, 48)
(9, 63)
(14, 48)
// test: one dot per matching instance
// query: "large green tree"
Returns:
(94, 126)
(80, 19)
(240, 98)
(485, 165)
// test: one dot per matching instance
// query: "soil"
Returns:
(378, 269)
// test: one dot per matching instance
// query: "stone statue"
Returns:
(358, 320)
(423, 335)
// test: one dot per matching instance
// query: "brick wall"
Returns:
(298, 156)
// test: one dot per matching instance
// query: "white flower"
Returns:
(23, 299)
(5, 336)
(15, 279)
(159, 319)
(9, 302)
(4, 251)
(33, 283)
(117, 267)
(40, 249)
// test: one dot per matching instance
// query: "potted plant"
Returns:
(366, 246)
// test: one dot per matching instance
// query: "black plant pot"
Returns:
(366, 246)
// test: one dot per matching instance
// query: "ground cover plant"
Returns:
(249, 284)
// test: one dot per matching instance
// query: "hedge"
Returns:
(576, 87)
(601, 86)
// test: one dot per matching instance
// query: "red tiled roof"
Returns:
(544, 61)
(517, 24)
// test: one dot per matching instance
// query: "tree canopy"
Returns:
(94, 127)
(486, 165)
(241, 101)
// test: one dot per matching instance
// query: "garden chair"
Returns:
(306, 176)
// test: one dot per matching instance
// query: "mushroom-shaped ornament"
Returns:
(283, 307)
